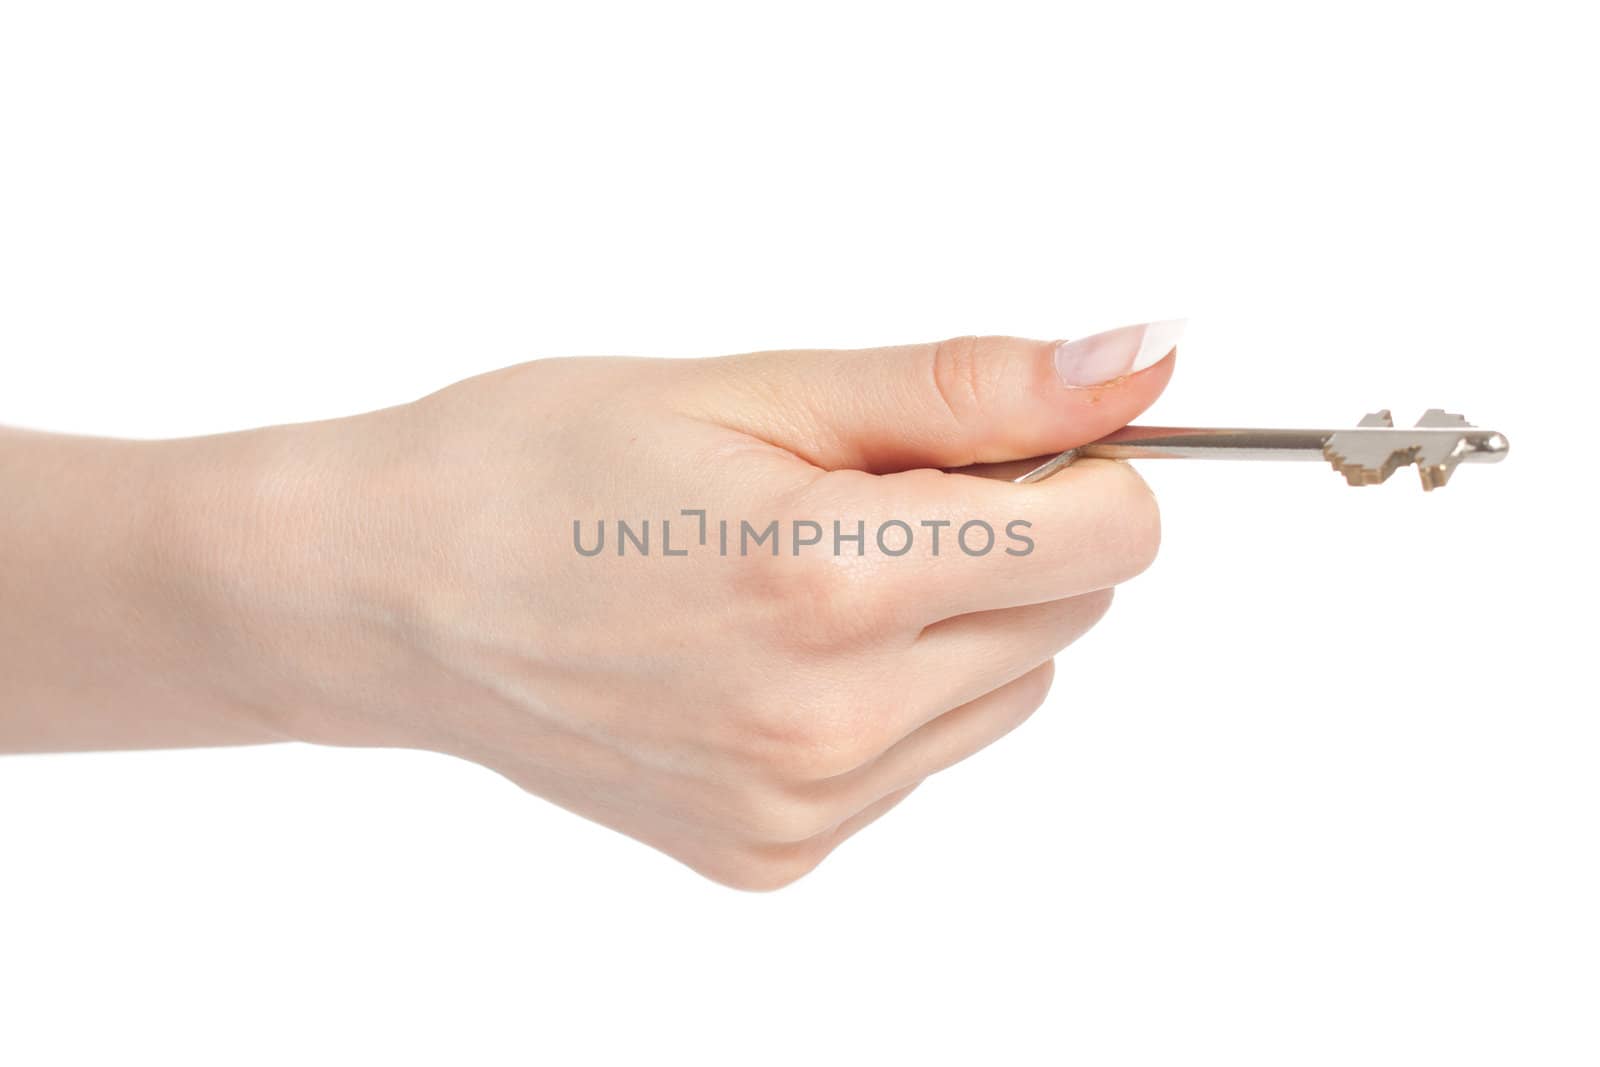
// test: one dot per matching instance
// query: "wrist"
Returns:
(292, 566)
(253, 538)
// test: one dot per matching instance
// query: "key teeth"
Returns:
(1439, 418)
(1364, 458)
(1359, 473)
(1434, 475)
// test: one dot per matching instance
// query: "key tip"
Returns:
(1494, 448)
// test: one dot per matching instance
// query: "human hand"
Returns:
(422, 576)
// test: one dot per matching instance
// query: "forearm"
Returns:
(103, 643)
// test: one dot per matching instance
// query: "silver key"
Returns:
(1365, 454)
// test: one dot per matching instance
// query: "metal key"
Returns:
(1365, 454)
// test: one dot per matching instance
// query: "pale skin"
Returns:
(408, 577)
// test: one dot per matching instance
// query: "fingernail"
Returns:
(1100, 358)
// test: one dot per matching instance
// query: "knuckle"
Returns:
(814, 745)
(780, 817)
(849, 603)
(967, 378)
(1039, 681)
(1096, 604)
(958, 376)
(763, 870)
(820, 605)
(1137, 523)
(1037, 690)
(1022, 698)
(821, 762)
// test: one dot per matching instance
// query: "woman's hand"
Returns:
(732, 607)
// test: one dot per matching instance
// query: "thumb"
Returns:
(953, 403)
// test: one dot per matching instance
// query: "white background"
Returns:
(1323, 788)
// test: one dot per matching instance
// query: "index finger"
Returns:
(929, 545)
